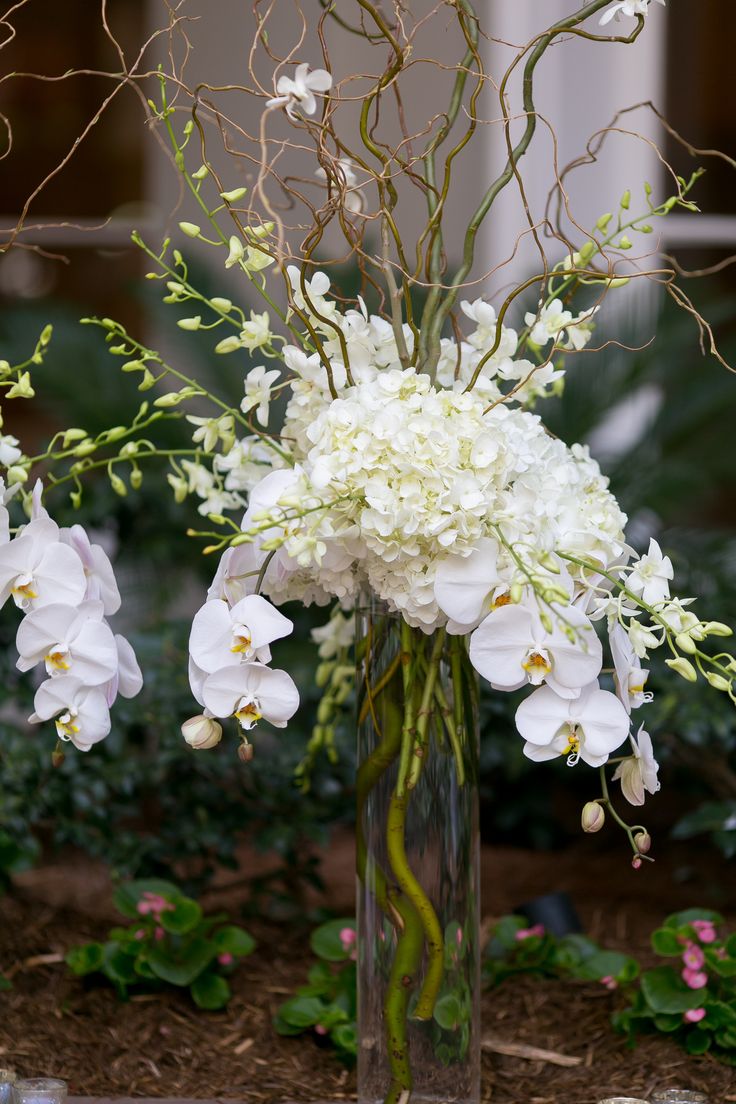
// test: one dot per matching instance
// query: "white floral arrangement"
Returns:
(410, 465)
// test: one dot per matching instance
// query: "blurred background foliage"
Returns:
(662, 423)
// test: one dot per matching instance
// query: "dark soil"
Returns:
(162, 1046)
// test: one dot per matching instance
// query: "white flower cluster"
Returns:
(66, 588)
(229, 656)
(631, 8)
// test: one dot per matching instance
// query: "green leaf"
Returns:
(668, 1021)
(697, 1041)
(185, 916)
(233, 940)
(283, 1027)
(127, 896)
(665, 942)
(5, 984)
(87, 959)
(210, 991)
(119, 966)
(608, 964)
(326, 943)
(301, 1012)
(448, 1012)
(345, 1036)
(682, 919)
(666, 992)
(183, 966)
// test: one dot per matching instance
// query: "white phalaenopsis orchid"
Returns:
(36, 568)
(627, 7)
(222, 635)
(80, 712)
(512, 647)
(6, 493)
(128, 679)
(299, 92)
(258, 385)
(630, 677)
(466, 586)
(651, 575)
(69, 640)
(638, 773)
(101, 583)
(251, 692)
(589, 727)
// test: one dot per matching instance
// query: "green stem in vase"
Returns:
(410, 887)
(404, 968)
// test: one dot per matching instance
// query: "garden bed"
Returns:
(161, 1046)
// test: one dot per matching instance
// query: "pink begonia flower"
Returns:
(694, 979)
(459, 937)
(705, 930)
(159, 933)
(225, 959)
(320, 1029)
(529, 933)
(694, 1015)
(609, 982)
(140, 934)
(693, 957)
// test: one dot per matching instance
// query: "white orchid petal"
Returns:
(265, 622)
(211, 637)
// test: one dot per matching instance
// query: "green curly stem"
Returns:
(370, 773)
(410, 887)
(401, 983)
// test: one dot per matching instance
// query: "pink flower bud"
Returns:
(246, 752)
(225, 959)
(636, 862)
(347, 938)
(609, 982)
(140, 934)
(694, 1015)
(459, 937)
(694, 979)
(320, 1029)
(143, 908)
(529, 933)
(705, 930)
(159, 933)
(643, 842)
(693, 957)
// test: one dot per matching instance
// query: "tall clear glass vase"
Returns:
(418, 865)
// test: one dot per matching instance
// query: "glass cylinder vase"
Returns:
(418, 865)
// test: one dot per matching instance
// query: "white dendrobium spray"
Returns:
(638, 773)
(586, 728)
(650, 577)
(512, 647)
(631, 8)
(258, 385)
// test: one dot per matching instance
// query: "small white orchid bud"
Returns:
(717, 628)
(16, 474)
(201, 173)
(228, 344)
(221, 304)
(718, 682)
(684, 668)
(118, 485)
(236, 252)
(190, 323)
(234, 195)
(686, 643)
(516, 593)
(190, 229)
(593, 817)
(643, 842)
(202, 732)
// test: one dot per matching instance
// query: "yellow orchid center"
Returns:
(23, 589)
(242, 641)
(572, 751)
(502, 600)
(65, 726)
(537, 665)
(248, 713)
(56, 660)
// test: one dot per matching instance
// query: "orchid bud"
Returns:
(246, 752)
(236, 251)
(603, 221)
(220, 304)
(190, 323)
(684, 668)
(234, 195)
(118, 485)
(636, 862)
(516, 593)
(228, 344)
(200, 173)
(686, 644)
(16, 474)
(57, 756)
(136, 478)
(717, 628)
(593, 817)
(202, 732)
(190, 229)
(626, 200)
(718, 682)
(643, 842)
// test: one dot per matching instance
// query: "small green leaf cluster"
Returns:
(453, 1010)
(515, 948)
(693, 1000)
(326, 1005)
(168, 943)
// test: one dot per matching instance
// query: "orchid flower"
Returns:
(626, 7)
(236, 573)
(69, 640)
(222, 635)
(630, 677)
(512, 647)
(589, 727)
(465, 586)
(6, 493)
(81, 713)
(638, 773)
(36, 568)
(651, 574)
(258, 385)
(101, 583)
(299, 92)
(251, 692)
(127, 680)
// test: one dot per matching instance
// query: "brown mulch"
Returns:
(161, 1046)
